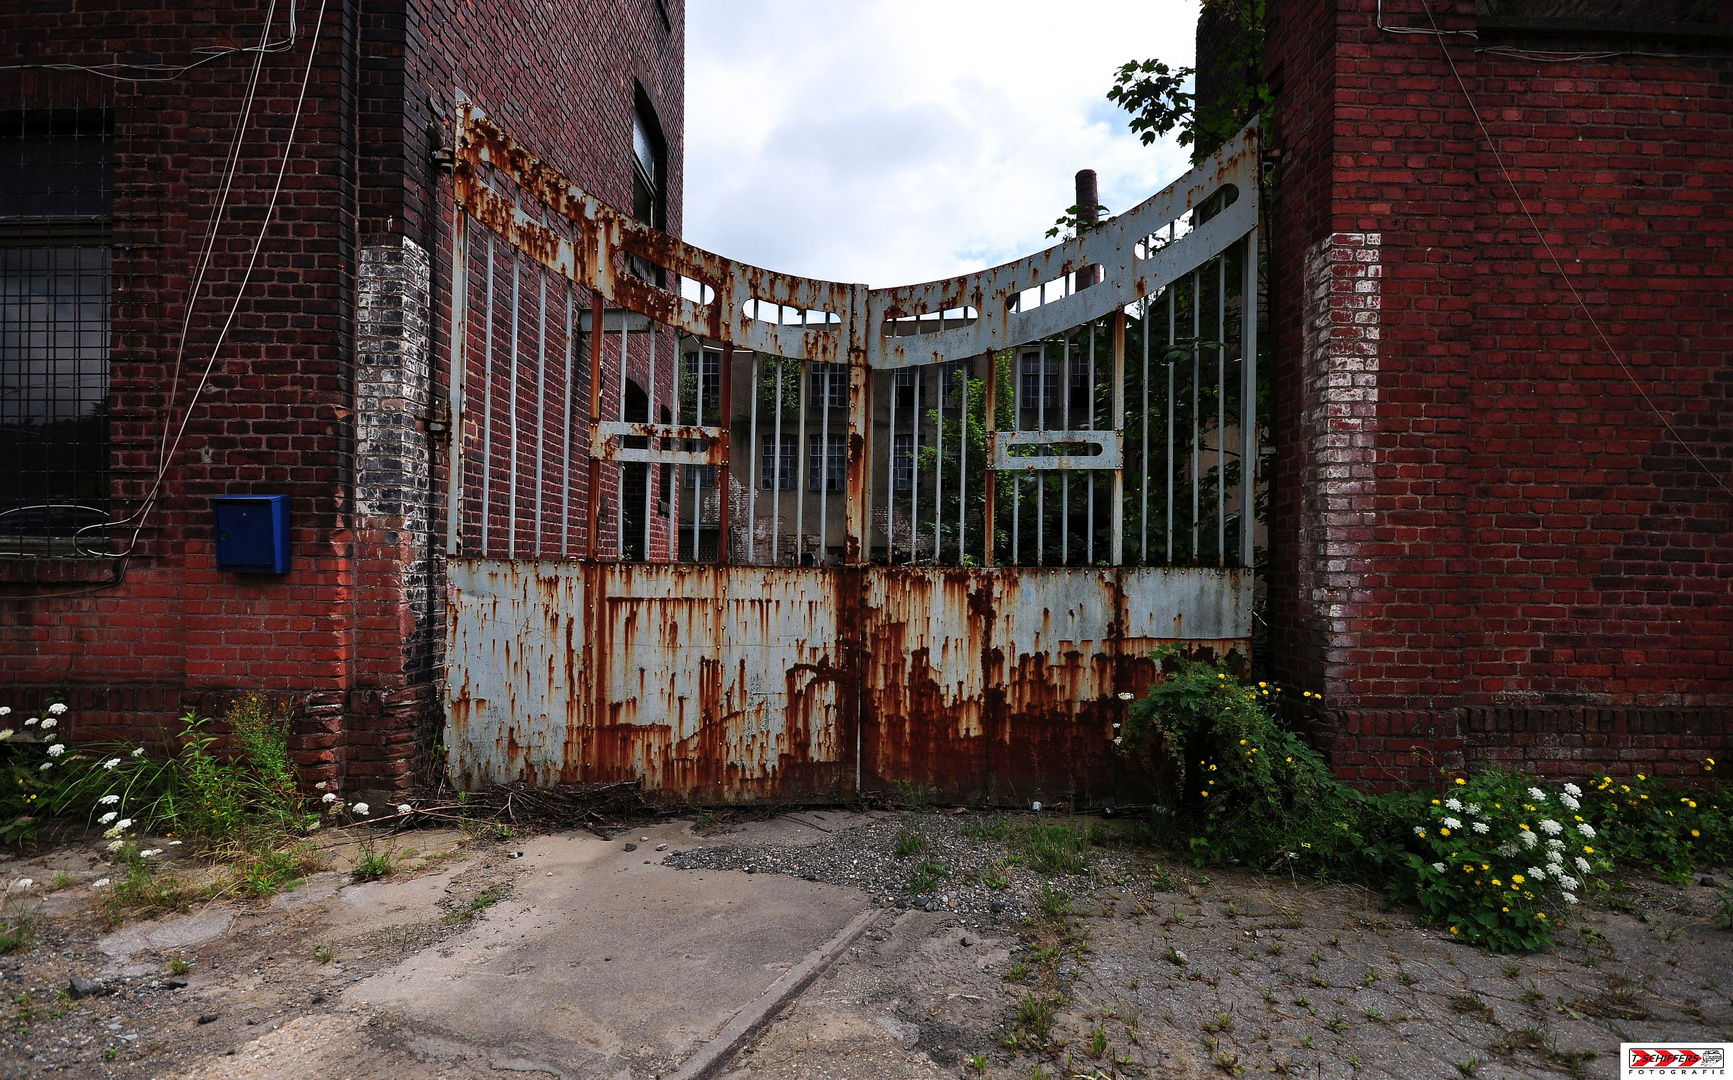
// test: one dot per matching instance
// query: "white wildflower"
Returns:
(45, 766)
(328, 799)
(361, 808)
(1507, 849)
(25, 883)
(1438, 866)
(108, 800)
(5, 710)
(124, 823)
(108, 817)
(1126, 695)
(1570, 898)
(116, 846)
(1418, 831)
(321, 785)
(1586, 829)
(1551, 827)
(1570, 803)
(138, 751)
(32, 722)
(1568, 882)
(1555, 844)
(1452, 823)
(1529, 839)
(111, 763)
(172, 843)
(404, 808)
(1573, 791)
(99, 883)
(1480, 827)
(1583, 864)
(57, 709)
(1453, 804)
(50, 723)
(1537, 873)
(148, 852)
(1555, 859)
(1473, 808)
(7, 734)
(57, 749)
(1537, 794)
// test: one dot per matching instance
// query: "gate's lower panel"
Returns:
(736, 683)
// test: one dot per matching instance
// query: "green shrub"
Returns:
(1669, 831)
(1239, 787)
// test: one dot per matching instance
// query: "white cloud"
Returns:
(893, 141)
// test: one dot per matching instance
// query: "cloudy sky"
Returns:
(896, 141)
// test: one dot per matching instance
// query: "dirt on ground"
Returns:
(995, 951)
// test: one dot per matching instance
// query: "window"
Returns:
(827, 386)
(908, 388)
(700, 398)
(903, 463)
(826, 460)
(649, 203)
(956, 376)
(778, 470)
(55, 207)
(1038, 393)
(700, 477)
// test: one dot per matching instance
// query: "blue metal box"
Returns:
(252, 533)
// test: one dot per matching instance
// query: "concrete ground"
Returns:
(566, 955)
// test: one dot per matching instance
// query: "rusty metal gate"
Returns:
(744, 535)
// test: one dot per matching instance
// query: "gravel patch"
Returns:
(967, 864)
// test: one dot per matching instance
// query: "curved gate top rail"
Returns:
(1138, 252)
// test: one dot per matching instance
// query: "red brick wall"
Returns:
(1490, 543)
(352, 636)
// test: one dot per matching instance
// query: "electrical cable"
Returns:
(169, 72)
(1575, 295)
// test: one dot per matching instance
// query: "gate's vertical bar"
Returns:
(1195, 450)
(915, 466)
(752, 466)
(989, 516)
(591, 497)
(1221, 409)
(511, 409)
(1143, 514)
(824, 465)
(566, 434)
(1089, 477)
(857, 548)
(801, 452)
(1040, 480)
(1017, 477)
(650, 418)
(939, 461)
(459, 362)
(1167, 459)
(487, 409)
(541, 391)
(698, 476)
(891, 382)
(1248, 394)
(620, 415)
(1065, 477)
(725, 421)
(776, 463)
(1117, 515)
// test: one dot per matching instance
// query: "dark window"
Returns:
(827, 461)
(55, 210)
(903, 463)
(778, 470)
(1038, 394)
(700, 398)
(698, 476)
(827, 385)
(649, 157)
(956, 378)
(908, 388)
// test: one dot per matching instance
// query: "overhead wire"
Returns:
(118, 70)
(1582, 306)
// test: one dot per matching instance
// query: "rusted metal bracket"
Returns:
(1110, 453)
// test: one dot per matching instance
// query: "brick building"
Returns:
(1487, 544)
(141, 378)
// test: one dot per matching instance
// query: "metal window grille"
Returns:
(826, 460)
(778, 470)
(907, 387)
(698, 477)
(1040, 386)
(55, 283)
